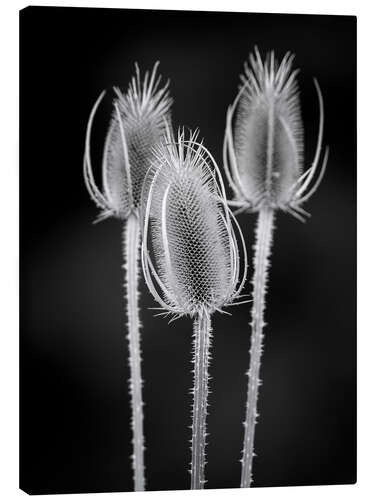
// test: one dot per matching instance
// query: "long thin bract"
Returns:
(263, 242)
(131, 256)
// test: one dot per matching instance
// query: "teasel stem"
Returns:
(262, 248)
(202, 340)
(131, 244)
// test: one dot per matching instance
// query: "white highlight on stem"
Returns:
(263, 242)
(131, 244)
(202, 341)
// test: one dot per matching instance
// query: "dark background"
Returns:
(75, 432)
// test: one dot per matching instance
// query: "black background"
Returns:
(75, 433)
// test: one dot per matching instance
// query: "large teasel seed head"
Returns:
(193, 264)
(265, 152)
(138, 123)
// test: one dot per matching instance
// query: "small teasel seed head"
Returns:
(138, 123)
(265, 151)
(195, 253)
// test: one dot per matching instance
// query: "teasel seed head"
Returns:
(263, 159)
(138, 123)
(193, 266)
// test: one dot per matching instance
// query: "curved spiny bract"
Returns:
(263, 158)
(193, 264)
(263, 161)
(137, 125)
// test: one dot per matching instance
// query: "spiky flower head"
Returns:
(265, 152)
(138, 123)
(193, 265)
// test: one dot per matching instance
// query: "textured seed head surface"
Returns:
(191, 232)
(268, 137)
(139, 117)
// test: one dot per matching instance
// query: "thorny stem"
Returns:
(131, 255)
(202, 334)
(263, 241)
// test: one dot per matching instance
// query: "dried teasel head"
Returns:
(137, 125)
(263, 159)
(193, 265)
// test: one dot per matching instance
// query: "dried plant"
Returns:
(137, 124)
(193, 265)
(263, 163)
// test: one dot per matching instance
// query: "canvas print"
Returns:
(188, 250)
